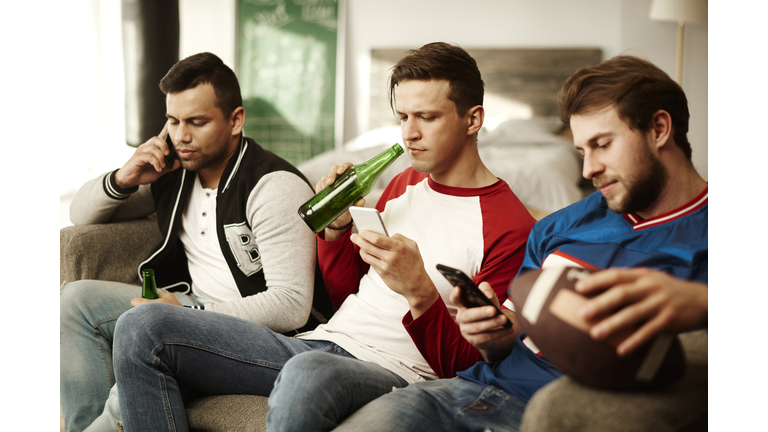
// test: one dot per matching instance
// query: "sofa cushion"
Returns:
(228, 413)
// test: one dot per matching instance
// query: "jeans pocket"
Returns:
(337, 350)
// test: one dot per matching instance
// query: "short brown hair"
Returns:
(636, 87)
(441, 61)
(205, 68)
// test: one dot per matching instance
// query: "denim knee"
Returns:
(74, 296)
(312, 368)
(133, 323)
(93, 301)
(132, 338)
(307, 380)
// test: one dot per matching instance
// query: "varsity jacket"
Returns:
(257, 227)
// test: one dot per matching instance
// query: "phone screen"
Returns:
(470, 293)
(368, 219)
(172, 155)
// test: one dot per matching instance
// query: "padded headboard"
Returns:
(528, 78)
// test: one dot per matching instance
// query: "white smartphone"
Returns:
(368, 219)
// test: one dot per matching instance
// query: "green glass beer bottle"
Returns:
(148, 287)
(348, 188)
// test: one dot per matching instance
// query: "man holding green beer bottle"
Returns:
(448, 208)
(233, 242)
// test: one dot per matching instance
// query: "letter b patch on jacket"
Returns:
(244, 248)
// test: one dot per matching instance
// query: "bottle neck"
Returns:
(380, 162)
(148, 275)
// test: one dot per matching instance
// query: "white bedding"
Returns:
(541, 168)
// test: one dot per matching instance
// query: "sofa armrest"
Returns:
(110, 251)
(565, 405)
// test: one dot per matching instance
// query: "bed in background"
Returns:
(522, 140)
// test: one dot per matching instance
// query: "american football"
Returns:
(548, 309)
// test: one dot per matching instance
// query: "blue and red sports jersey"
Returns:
(588, 234)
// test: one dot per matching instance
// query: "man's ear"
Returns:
(476, 116)
(661, 126)
(237, 120)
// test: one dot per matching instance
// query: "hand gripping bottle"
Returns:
(148, 287)
(348, 188)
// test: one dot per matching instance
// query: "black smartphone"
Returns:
(172, 155)
(470, 293)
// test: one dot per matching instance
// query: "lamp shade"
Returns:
(689, 11)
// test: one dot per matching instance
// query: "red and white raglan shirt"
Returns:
(589, 235)
(481, 231)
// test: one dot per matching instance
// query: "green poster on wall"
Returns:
(286, 64)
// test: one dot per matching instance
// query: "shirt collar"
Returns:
(691, 206)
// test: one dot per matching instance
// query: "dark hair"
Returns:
(636, 87)
(441, 61)
(205, 68)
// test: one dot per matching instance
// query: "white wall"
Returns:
(657, 41)
(613, 26)
(479, 24)
(209, 25)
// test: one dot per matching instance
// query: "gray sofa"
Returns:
(563, 405)
(86, 255)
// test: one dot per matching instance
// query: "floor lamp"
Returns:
(680, 11)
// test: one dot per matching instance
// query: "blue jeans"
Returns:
(316, 391)
(442, 405)
(165, 356)
(88, 312)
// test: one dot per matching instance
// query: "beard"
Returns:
(206, 160)
(643, 188)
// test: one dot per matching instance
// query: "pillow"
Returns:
(516, 131)
(387, 135)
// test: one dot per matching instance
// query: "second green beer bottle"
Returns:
(348, 188)
(148, 287)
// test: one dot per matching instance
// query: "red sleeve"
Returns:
(506, 225)
(439, 340)
(341, 266)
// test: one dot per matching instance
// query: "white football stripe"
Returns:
(539, 293)
(554, 260)
(508, 304)
(531, 346)
(652, 361)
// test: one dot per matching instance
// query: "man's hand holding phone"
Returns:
(150, 161)
(483, 326)
(397, 260)
(470, 294)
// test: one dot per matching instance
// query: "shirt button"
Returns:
(202, 233)
(208, 194)
(205, 214)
